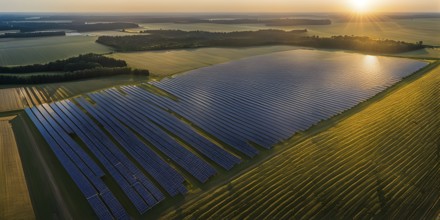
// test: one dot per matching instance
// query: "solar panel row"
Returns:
(159, 138)
(178, 128)
(89, 183)
(118, 165)
(242, 105)
(161, 171)
(221, 132)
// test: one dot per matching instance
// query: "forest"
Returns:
(81, 62)
(33, 34)
(71, 76)
(81, 67)
(176, 39)
(76, 26)
(268, 22)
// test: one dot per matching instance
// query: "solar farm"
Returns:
(157, 141)
(342, 173)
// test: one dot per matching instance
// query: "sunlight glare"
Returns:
(359, 6)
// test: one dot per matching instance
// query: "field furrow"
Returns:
(380, 162)
(15, 202)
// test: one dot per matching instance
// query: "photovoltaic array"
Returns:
(153, 138)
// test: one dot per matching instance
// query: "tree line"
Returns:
(77, 26)
(75, 68)
(177, 39)
(71, 76)
(81, 62)
(33, 34)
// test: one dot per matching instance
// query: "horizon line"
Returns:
(209, 12)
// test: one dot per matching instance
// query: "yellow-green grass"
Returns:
(10, 100)
(53, 192)
(42, 50)
(208, 27)
(162, 63)
(20, 97)
(134, 31)
(423, 53)
(382, 162)
(411, 30)
(15, 202)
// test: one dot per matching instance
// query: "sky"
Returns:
(216, 5)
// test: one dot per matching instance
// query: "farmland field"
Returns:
(164, 139)
(382, 162)
(410, 30)
(209, 27)
(15, 202)
(119, 110)
(162, 63)
(16, 98)
(427, 52)
(11, 100)
(46, 49)
(111, 33)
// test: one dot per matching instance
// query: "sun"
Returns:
(359, 6)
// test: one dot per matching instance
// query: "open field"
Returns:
(134, 31)
(427, 52)
(410, 30)
(209, 27)
(17, 98)
(53, 193)
(382, 162)
(42, 50)
(11, 100)
(15, 202)
(163, 63)
(156, 132)
(346, 126)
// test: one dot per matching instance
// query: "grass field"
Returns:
(209, 27)
(135, 31)
(382, 162)
(10, 100)
(427, 52)
(17, 98)
(411, 30)
(161, 63)
(46, 49)
(54, 194)
(15, 202)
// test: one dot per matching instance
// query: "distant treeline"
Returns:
(71, 76)
(364, 44)
(275, 19)
(268, 22)
(81, 62)
(294, 22)
(81, 67)
(176, 39)
(77, 26)
(33, 34)
(413, 15)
